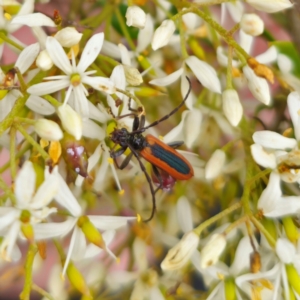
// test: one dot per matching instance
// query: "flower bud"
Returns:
(135, 17)
(48, 130)
(133, 76)
(71, 120)
(77, 280)
(180, 253)
(212, 250)
(252, 24)
(68, 37)
(290, 229)
(293, 277)
(270, 6)
(258, 86)
(215, 164)
(91, 232)
(232, 107)
(162, 34)
(43, 61)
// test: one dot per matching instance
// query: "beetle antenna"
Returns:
(149, 182)
(173, 111)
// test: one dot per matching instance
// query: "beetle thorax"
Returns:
(137, 141)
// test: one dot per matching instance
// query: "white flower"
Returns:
(270, 148)
(135, 17)
(33, 203)
(48, 130)
(273, 204)
(252, 24)
(162, 34)
(76, 75)
(232, 107)
(24, 61)
(71, 121)
(270, 6)
(78, 249)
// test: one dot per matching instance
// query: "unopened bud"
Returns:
(258, 86)
(135, 17)
(162, 34)
(68, 37)
(291, 230)
(178, 256)
(293, 277)
(43, 61)
(48, 130)
(232, 107)
(252, 24)
(71, 120)
(91, 232)
(212, 250)
(133, 76)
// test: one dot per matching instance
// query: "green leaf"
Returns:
(288, 49)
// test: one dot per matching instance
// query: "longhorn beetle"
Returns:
(159, 154)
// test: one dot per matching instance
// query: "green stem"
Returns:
(35, 145)
(52, 100)
(263, 230)
(12, 150)
(24, 120)
(110, 60)
(41, 291)
(217, 217)
(138, 102)
(7, 191)
(9, 119)
(18, 155)
(9, 41)
(182, 39)
(229, 70)
(21, 80)
(224, 33)
(236, 224)
(25, 295)
(124, 29)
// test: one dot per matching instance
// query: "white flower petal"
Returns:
(25, 184)
(294, 110)
(58, 55)
(268, 56)
(43, 231)
(102, 84)
(163, 34)
(215, 164)
(50, 87)
(205, 73)
(165, 81)
(34, 20)
(270, 195)
(135, 17)
(285, 64)
(285, 250)
(273, 140)
(40, 105)
(246, 41)
(145, 35)
(48, 130)
(110, 49)
(92, 130)
(80, 101)
(192, 127)
(184, 214)
(262, 157)
(125, 57)
(91, 51)
(79, 247)
(68, 36)
(110, 222)
(232, 106)
(46, 192)
(270, 6)
(236, 10)
(27, 57)
(284, 206)
(9, 216)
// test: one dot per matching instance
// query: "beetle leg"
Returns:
(125, 162)
(142, 122)
(157, 174)
(115, 154)
(136, 123)
(149, 182)
(176, 144)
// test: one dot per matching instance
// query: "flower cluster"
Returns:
(94, 105)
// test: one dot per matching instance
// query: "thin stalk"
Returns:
(12, 149)
(9, 41)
